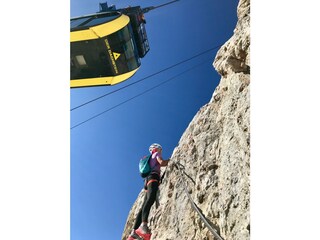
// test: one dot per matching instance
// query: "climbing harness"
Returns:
(194, 206)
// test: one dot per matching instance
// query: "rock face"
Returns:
(212, 157)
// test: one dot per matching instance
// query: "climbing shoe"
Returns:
(144, 232)
(134, 236)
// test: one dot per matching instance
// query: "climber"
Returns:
(140, 228)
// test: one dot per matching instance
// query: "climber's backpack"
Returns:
(144, 166)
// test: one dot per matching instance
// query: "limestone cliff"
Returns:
(213, 156)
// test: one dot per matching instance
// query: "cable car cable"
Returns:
(172, 66)
(138, 95)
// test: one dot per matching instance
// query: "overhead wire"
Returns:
(151, 75)
(138, 95)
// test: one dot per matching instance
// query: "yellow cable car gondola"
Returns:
(106, 47)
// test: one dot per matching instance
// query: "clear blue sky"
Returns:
(105, 150)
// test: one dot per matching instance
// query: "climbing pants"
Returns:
(151, 186)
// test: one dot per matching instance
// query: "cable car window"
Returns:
(122, 43)
(133, 63)
(76, 22)
(129, 49)
(81, 60)
(90, 60)
(118, 39)
(124, 34)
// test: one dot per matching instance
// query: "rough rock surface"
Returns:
(213, 155)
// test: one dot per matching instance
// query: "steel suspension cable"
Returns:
(165, 69)
(138, 95)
